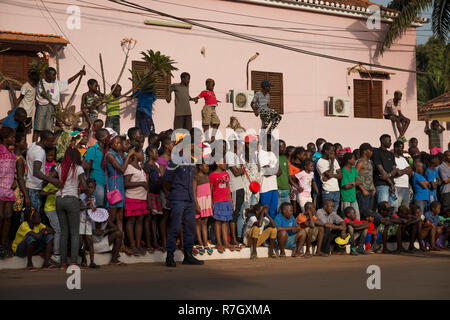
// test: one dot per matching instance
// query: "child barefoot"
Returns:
(87, 202)
(136, 186)
(90, 101)
(154, 204)
(223, 208)
(203, 205)
(209, 115)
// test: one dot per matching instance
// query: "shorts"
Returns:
(209, 116)
(102, 245)
(145, 123)
(154, 203)
(302, 200)
(85, 226)
(315, 233)
(44, 117)
(290, 242)
(113, 122)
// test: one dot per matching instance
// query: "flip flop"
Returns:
(31, 269)
(117, 263)
(50, 267)
(209, 250)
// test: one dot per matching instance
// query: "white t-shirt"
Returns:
(268, 159)
(403, 180)
(71, 186)
(136, 176)
(232, 160)
(249, 225)
(29, 96)
(53, 89)
(35, 153)
(331, 185)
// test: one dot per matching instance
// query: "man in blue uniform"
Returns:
(178, 181)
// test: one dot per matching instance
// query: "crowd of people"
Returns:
(73, 193)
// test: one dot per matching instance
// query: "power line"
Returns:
(253, 39)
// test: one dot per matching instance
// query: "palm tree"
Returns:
(409, 10)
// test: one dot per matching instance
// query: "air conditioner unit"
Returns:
(338, 107)
(242, 99)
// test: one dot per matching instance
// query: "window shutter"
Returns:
(276, 93)
(162, 82)
(368, 99)
(376, 99)
(361, 99)
(15, 65)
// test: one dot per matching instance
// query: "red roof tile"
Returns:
(31, 37)
(441, 103)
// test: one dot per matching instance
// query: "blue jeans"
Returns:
(100, 195)
(423, 204)
(182, 211)
(283, 196)
(384, 194)
(36, 199)
(365, 202)
(402, 196)
(333, 195)
(270, 198)
(39, 245)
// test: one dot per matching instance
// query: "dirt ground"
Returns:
(408, 276)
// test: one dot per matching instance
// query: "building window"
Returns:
(162, 82)
(368, 99)
(15, 65)
(276, 93)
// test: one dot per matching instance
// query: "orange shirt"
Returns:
(293, 170)
(301, 218)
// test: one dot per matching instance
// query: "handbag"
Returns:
(113, 196)
(254, 185)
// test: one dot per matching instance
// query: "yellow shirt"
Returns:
(23, 231)
(50, 203)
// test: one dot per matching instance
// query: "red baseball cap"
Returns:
(249, 138)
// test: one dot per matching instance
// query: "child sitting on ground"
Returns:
(389, 226)
(432, 218)
(410, 227)
(203, 205)
(290, 234)
(86, 225)
(106, 236)
(313, 227)
(255, 232)
(356, 229)
(32, 238)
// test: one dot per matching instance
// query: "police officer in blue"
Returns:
(178, 182)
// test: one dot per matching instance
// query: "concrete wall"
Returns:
(308, 80)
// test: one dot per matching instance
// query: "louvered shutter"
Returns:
(15, 65)
(361, 98)
(276, 93)
(162, 82)
(376, 99)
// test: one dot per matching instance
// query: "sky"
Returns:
(423, 33)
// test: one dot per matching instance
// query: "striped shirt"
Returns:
(112, 108)
(434, 138)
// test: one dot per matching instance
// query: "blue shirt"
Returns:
(145, 101)
(419, 192)
(281, 221)
(433, 219)
(9, 121)
(181, 177)
(431, 175)
(95, 155)
(316, 156)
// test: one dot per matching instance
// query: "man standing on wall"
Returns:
(183, 115)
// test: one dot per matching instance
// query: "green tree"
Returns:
(409, 10)
(433, 57)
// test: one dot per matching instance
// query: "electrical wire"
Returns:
(257, 40)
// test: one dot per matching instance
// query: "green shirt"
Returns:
(112, 108)
(283, 179)
(50, 203)
(348, 195)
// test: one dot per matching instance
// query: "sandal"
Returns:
(220, 249)
(128, 251)
(50, 267)
(117, 263)
(209, 250)
(201, 250)
(32, 269)
(151, 250)
(237, 247)
(194, 251)
(94, 266)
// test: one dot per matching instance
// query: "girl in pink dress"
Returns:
(203, 204)
(7, 186)
(223, 206)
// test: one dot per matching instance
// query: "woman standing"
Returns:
(71, 175)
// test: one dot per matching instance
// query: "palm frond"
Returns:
(441, 18)
(404, 20)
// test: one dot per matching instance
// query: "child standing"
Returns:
(434, 136)
(49, 192)
(50, 160)
(349, 182)
(420, 186)
(203, 205)
(154, 204)
(219, 180)
(113, 109)
(7, 186)
(90, 101)
(87, 202)
(304, 185)
(136, 186)
(209, 115)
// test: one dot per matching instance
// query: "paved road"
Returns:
(337, 277)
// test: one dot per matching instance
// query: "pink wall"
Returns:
(308, 81)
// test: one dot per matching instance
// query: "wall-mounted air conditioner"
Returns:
(338, 107)
(241, 100)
